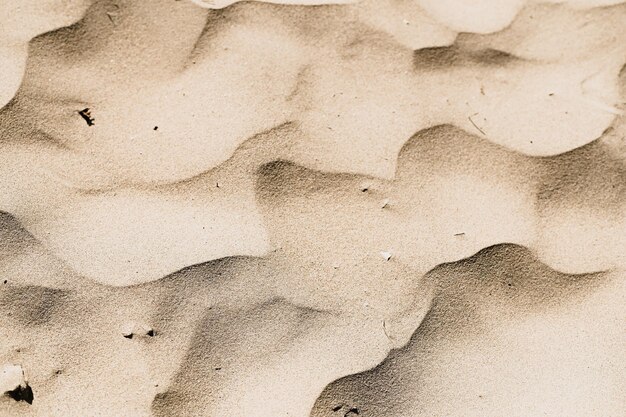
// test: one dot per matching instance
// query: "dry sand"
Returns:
(327, 208)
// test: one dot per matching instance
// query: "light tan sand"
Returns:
(222, 210)
(505, 336)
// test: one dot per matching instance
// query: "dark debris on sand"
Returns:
(352, 411)
(22, 393)
(86, 115)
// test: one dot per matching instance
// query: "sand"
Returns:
(326, 208)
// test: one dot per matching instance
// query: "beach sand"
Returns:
(325, 208)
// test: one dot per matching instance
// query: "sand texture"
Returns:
(312, 208)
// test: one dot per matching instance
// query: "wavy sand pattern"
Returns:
(312, 208)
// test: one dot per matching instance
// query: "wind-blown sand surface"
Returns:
(325, 208)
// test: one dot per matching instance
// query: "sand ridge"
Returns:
(138, 142)
(227, 200)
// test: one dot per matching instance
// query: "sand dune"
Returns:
(350, 207)
(505, 335)
(161, 130)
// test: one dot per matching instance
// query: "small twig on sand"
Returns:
(472, 122)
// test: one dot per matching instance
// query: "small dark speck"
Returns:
(460, 234)
(509, 284)
(551, 94)
(218, 369)
(151, 333)
(156, 128)
(337, 408)
(110, 16)
(86, 114)
(352, 411)
(5, 281)
(128, 336)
